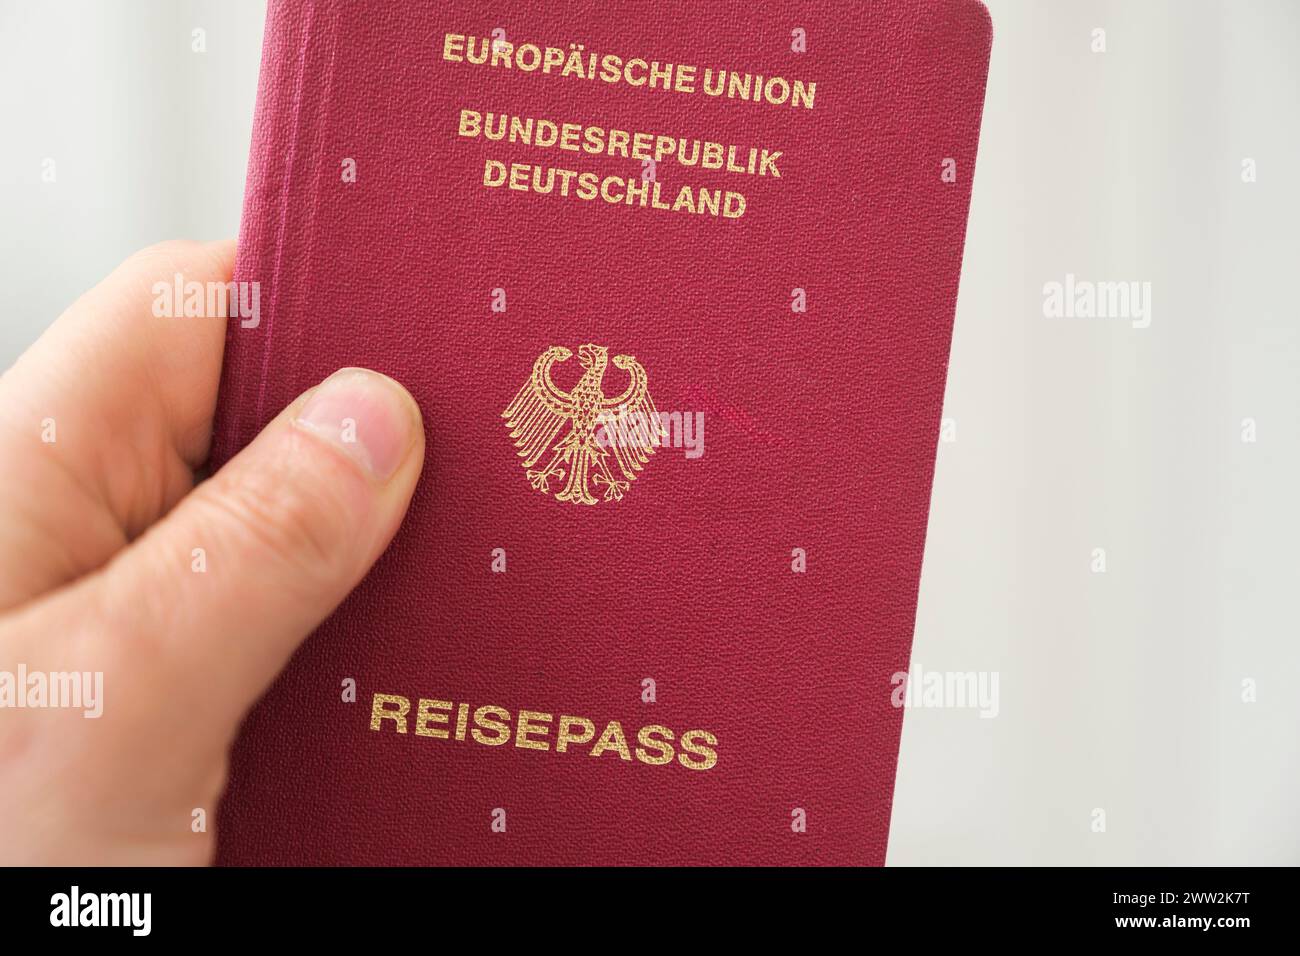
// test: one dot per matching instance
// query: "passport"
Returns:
(674, 288)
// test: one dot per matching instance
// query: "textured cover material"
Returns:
(767, 586)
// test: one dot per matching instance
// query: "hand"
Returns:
(186, 599)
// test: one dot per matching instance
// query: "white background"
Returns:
(1120, 691)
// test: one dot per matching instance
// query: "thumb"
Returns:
(222, 590)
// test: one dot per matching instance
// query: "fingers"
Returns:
(219, 593)
(104, 418)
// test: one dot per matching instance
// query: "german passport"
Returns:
(674, 287)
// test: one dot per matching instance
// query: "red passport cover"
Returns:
(591, 643)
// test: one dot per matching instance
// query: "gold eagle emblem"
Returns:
(622, 431)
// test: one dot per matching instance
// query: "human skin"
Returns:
(98, 531)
